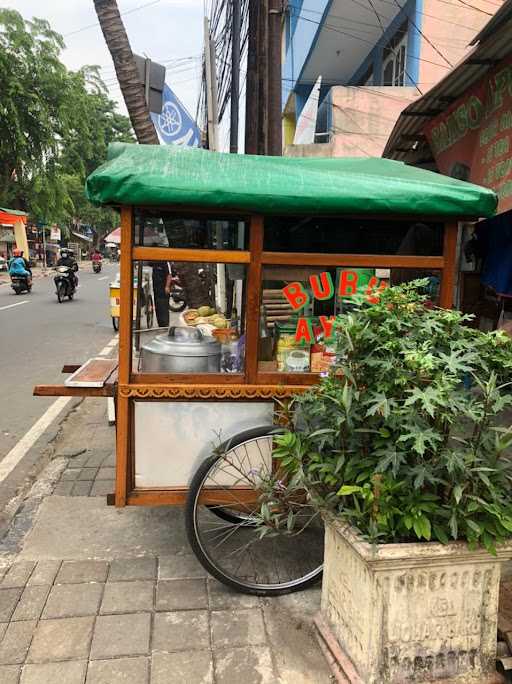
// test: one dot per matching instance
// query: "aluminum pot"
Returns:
(182, 350)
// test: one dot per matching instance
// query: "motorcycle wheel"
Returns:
(70, 296)
(61, 292)
(115, 323)
(17, 290)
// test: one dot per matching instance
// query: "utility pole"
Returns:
(211, 89)
(262, 56)
(274, 122)
(235, 77)
(252, 90)
(213, 145)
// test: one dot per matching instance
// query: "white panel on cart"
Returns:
(173, 438)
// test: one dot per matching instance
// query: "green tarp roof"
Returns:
(163, 175)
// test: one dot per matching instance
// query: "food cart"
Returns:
(270, 249)
(147, 307)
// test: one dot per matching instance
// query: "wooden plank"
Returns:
(177, 496)
(265, 378)
(64, 391)
(368, 260)
(214, 214)
(222, 256)
(185, 210)
(122, 450)
(451, 231)
(94, 373)
(252, 315)
(125, 357)
(187, 378)
(126, 296)
(70, 367)
(155, 497)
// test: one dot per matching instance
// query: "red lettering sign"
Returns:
(472, 139)
(297, 297)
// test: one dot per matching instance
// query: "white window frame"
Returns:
(398, 58)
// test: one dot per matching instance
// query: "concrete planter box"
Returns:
(398, 613)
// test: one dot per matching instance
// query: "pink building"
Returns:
(374, 58)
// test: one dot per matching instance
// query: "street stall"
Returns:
(268, 251)
(146, 309)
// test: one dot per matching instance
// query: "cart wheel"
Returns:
(115, 323)
(234, 551)
(149, 312)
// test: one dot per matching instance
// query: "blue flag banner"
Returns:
(174, 124)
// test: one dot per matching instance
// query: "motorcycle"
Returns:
(96, 266)
(177, 302)
(20, 283)
(65, 285)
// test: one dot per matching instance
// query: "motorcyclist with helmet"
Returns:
(67, 258)
(19, 266)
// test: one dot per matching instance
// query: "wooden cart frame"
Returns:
(252, 385)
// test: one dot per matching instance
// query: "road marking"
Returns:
(10, 306)
(109, 347)
(103, 278)
(15, 455)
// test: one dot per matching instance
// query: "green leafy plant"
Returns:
(407, 439)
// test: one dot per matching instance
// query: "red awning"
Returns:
(8, 217)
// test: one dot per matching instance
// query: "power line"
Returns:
(368, 42)
(370, 25)
(424, 36)
(134, 9)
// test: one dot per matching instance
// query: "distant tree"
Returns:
(55, 126)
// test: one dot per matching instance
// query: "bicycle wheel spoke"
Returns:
(227, 532)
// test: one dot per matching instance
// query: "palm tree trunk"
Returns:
(126, 70)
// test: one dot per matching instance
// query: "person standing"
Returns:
(161, 272)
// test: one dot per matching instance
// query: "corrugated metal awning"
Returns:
(407, 141)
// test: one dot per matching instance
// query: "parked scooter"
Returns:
(96, 266)
(65, 284)
(20, 283)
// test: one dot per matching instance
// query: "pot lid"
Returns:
(183, 341)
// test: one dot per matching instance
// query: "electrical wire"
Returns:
(368, 42)
(123, 14)
(434, 47)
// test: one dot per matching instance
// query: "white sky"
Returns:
(165, 30)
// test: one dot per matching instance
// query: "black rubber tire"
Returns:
(115, 323)
(225, 514)
(70, 296)
(61, 292)
(194, 489)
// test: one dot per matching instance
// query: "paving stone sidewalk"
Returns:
(76, 608)
(144, 620)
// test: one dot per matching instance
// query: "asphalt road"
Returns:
(39, 336)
